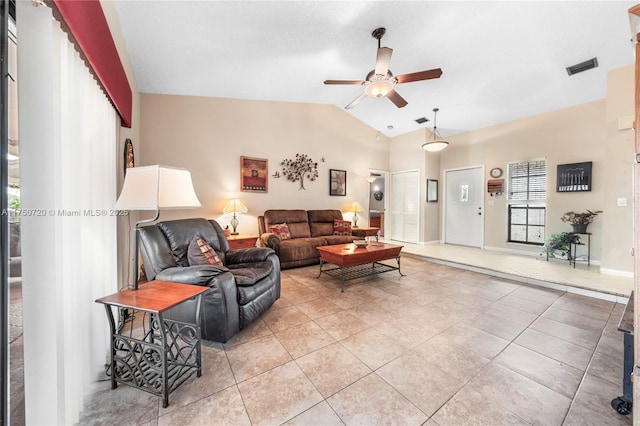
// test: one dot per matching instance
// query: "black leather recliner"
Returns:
(239, 292)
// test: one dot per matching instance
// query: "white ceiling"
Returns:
(501, 60)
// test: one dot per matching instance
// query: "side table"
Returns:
(365, 231)
(161, 357)
(242, 241)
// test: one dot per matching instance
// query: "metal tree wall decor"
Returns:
(298, 168)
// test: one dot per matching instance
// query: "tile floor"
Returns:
(439, 346)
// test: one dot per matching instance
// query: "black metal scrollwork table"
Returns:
(161, 354)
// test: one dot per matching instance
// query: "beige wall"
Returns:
(208, 136)
(617, 229)
(585, 132)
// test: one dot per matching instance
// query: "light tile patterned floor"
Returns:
(440, 346)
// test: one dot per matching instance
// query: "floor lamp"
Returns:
(155, 188)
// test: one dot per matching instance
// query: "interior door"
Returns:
(405, 203)
(464, 201)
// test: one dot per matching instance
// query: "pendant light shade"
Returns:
(436, 143)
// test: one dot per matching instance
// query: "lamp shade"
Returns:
(435, 146)
(235, 206)
(355, 207)
(157, 188)
(371, 179)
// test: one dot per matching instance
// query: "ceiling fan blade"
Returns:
(383, 60)
(419, 76)
(358, 82)
(398, 100)
(356, 101)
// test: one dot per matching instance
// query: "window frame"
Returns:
(535, 195)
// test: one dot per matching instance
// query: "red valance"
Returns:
(87, 27)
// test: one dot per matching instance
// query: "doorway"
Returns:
(464, 202)
(377, 199)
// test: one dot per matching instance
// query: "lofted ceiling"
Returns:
(501, 60)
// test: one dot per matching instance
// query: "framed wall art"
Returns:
(432, 191)
(337, 182)
(575, 177)
(254, 174)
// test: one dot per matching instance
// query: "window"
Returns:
(527, 192)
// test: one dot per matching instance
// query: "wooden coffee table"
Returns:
(353, 262)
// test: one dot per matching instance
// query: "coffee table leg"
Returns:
(321, 263)
(399, 271)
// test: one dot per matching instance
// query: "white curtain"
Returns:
(68, 137)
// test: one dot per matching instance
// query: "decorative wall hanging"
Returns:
(254, 174)
(495, 187)
(574, 177)
(337, 182)
(129, 159)
(299, 168)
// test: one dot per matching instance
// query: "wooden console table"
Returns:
(161, 357)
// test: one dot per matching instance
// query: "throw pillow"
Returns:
(341, 227)
(282, 231)
(201, 253)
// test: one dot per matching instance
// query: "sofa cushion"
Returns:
(321, 221)
(249, 273)
(341, 227)
(339, 239)
(201, 253)
(282, 231)
(296, 220)
(300, 249)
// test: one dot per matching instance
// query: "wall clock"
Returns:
(496, 172)
(129, 160)
(378, 195)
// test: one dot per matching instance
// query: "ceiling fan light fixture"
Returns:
(437, 144)
(379, 89)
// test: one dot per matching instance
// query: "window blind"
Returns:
(527, 181)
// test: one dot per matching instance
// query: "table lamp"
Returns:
(355, 208)
(236, 207)
(155, 188)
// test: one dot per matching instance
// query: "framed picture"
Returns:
(254, 174)
(575, 177)
(337, 182)
(432, 191)
(129, 159)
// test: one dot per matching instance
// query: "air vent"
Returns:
(421, 120)
(582, 66)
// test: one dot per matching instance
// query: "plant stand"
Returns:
(573, 248)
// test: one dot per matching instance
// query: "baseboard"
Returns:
(616, 272)
(426, 243)
(514, 251)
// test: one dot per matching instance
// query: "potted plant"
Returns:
(560, 243)
(580, 221)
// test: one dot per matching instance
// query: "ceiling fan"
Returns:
(380, 81)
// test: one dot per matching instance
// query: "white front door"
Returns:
(464, 201)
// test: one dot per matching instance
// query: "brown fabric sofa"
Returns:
(309, 229)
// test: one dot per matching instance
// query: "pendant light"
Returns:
(437, 144)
